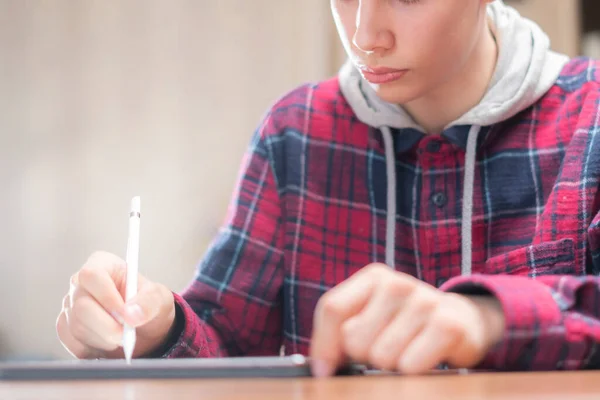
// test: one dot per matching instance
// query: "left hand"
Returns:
(395, 322)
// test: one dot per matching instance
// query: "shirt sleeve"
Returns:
(552, 322)
(233, 306)
(550, 290)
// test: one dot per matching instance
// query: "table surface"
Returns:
(489, 386)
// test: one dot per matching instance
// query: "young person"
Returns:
(436, 202)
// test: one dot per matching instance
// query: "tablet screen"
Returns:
(266, 367)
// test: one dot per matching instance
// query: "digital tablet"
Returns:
(243, 367)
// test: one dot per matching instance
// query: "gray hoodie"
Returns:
(526, 69)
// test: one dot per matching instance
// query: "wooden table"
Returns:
(489, 386)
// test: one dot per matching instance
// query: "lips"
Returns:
(381, 75)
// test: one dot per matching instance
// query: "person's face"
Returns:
(429, 41)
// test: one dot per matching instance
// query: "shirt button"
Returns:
(439, 199)
(434, 146)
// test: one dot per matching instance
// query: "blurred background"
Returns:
(101, 100)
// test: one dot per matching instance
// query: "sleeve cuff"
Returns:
(531, 314)
(182, 333)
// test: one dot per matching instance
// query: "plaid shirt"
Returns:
(310, 209)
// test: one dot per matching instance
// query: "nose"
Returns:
(371, 36)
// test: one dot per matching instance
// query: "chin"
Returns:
(397, 93)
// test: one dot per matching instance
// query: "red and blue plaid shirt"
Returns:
(310, 210)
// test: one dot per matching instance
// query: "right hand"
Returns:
(90, 324)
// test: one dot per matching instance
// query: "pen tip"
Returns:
(128, 356)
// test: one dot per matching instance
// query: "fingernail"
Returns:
(134, 311)
(321, 369)
(117, 317)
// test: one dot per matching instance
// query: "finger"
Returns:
(361, 331)
(407, 324)
(333, 309)
(116, 266)
(72, 345)
(151, 299)
(93, 326)
(100, 284)
(433, 345)
(93, 343)
(73, 283)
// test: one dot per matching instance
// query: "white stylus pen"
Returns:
(131, 285)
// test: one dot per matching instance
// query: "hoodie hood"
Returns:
(525, 70)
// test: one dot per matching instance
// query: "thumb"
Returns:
(151, 299)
